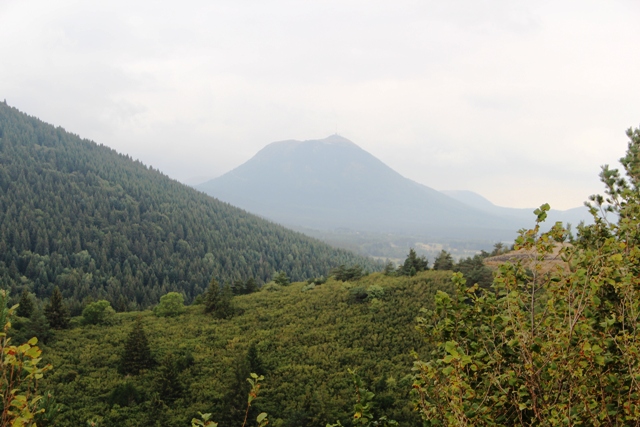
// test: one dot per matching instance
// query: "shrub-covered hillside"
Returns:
(99, 224)
(301, 337)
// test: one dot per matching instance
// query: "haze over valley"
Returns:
(333, 189)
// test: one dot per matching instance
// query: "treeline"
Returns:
(99, 225)
(473, 268)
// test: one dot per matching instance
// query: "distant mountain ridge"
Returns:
(333, 183)
(572, 216)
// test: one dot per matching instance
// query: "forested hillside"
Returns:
(98, 224)
(301, 337)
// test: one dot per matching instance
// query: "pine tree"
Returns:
(26, 305)
(167, 382)
(443, 261)
(212, 297)
(253, 358)
(413, 264)
(137, 353)
(389, 269)
(251, 286)
(218, 301)
(281, 278)
(56, 312)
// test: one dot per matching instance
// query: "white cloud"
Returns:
(521, 102)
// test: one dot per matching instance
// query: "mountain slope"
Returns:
(79, 215)
(305, 340)
(333, 183)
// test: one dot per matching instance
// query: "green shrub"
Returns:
(171, 304)
(98, 313)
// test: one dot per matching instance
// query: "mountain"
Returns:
(524, 215)
(332, 183)
(99, 224)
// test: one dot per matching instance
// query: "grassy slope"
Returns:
(306, 341)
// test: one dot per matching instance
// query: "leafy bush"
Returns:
(98, 313)
(348, 274)
(375, 291)
(171, 304)
(308, 287)
(540, 347)
(271, 287)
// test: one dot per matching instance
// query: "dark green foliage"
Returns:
(37, 326)
(348, 274)
(167, 381)
(444, 261)
(363, 407)
(137, 353)
(358, 294)
(238, 287)
(56, 312)
(251, 286)
(26, 304)
(254, 361)
(51, 410)
(389, 269)
(474, 270)
(243, 288)
(281, 278)
(235, 399)
(125, 394)
(362, 294)
(98, 224)
(218, 301)
(413, 264)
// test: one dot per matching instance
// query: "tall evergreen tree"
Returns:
(443, 261)
(167, 381)
(218, 301)
(413, 264)
(56, 312)
(137, 353)
(281, 278)
(254, 361)
(251, 286)
(26, 305)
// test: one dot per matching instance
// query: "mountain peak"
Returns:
(335, 139)
(332, 183)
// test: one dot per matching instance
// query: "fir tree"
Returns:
(389, 269)
(254, 361)
(217, 301)
(281, 278)
(56, 312)
(413, 264)
(26, 305)
(167, 382)
(443, 261)
(251, 286)
(137, 353)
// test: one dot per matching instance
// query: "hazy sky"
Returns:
(519, 101)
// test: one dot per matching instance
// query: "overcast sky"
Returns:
(519, 101)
